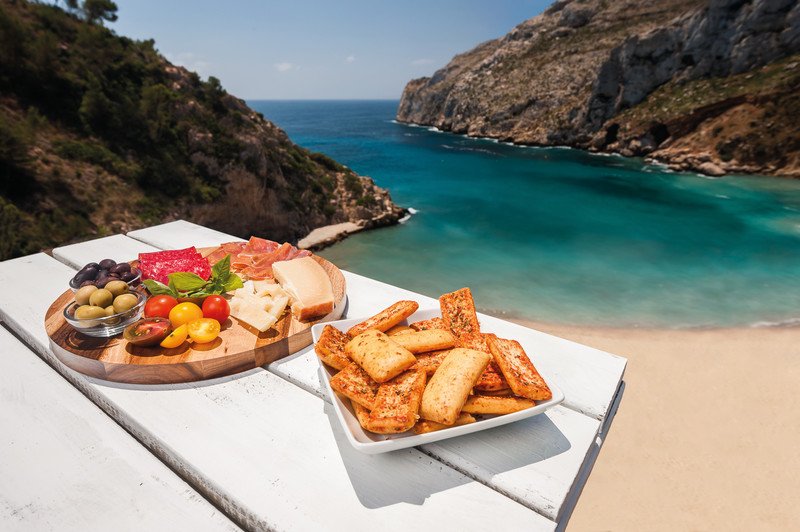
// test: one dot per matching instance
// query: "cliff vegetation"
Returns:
(100, 134)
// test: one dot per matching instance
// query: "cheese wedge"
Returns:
(308, 286)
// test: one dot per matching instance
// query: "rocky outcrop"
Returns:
(590, 73)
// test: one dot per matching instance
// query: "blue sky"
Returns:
(310, 49)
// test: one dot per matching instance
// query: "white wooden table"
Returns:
(263, 447)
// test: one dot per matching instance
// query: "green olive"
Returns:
(110, 310)
(125, 302)
(101, 298)
(82, 295)
(117, 288)
(90, 312)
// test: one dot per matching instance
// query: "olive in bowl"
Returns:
(94, 320)
(100, 274)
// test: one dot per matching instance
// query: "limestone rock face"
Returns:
(627, 76)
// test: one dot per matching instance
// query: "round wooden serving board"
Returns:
(238, 348)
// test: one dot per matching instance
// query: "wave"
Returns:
(411, 212)
(478, 150)
(789, 322)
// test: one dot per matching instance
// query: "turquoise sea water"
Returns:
(555, 234)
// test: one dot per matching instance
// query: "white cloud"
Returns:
(190, 61)
(420, 62)
(283, 67)
(350, 59)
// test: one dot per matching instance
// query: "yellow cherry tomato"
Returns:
(176, 337)
(184, 313)
(204, 330)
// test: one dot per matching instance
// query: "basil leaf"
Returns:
(186, 282)
(234, 282)
(158, 289)
(222, 269)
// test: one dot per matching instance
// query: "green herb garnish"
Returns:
(191, 285)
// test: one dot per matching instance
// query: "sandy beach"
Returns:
(708, 433)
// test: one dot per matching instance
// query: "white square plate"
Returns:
(370, 443)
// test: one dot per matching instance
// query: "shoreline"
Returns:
(705, 435)
(676, 161)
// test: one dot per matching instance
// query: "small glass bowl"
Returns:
(107, 326)
(133, 283)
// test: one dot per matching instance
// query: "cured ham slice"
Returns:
(255, 257)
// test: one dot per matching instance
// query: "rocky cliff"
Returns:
(100, 134)
(711, 86)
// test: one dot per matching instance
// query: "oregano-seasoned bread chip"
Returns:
(518, 369)
(425, 341)
(385, 319)
(378, 355)
(424, 325)
(396, 405)
(425, 426)
(490, 404)
(362, 413)
(430, 362)
(355, 384)
(399, 329)
(491, 379)
(458, 312)
(452, 383)
(330, 347)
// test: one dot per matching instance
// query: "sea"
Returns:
(560, 235)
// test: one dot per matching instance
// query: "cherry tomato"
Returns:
(176, 337)
(216, 307)
(204, 330)
(159, 306)
(147, 331)
(184, 313)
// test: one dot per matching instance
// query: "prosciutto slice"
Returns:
(256, 257)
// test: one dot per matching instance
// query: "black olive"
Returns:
(107, 264)
(121, 268)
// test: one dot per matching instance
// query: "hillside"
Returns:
(711, 86)
(100, 134)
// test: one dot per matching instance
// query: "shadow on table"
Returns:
(482, 455)
(405, 476)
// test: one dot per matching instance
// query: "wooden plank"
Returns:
(266, 451)
(117, 247)
(180, 234)
(68, 466)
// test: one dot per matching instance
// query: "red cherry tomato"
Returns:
(159, 306)
(216, 308)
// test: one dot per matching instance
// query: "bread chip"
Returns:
(330, 347)
(425, 325)
(497, 393)
(489, 404)
(425, 341)
(491, 380)
(458, 312)
(450, 386)
(379, 355)
(518, 369)
(425, 426)
(385, 319)
(399, 329)
(355, 384)
(430, 362)
(362, 414)
(396, 405)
